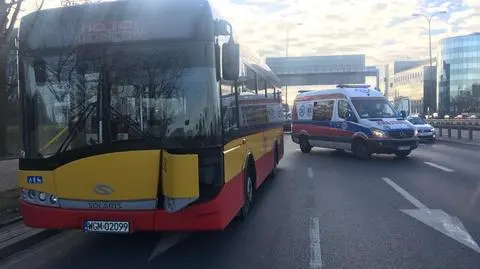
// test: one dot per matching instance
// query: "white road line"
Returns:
(405, 194)
(439, 167)
(315, 249)
(310, 172)
(166, 242)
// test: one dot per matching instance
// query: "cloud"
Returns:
(384, 30)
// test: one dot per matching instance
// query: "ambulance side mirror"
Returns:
(350, 116)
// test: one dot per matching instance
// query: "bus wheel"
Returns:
(248, 196)
(360, 149)
(275, 161)
(305, 146)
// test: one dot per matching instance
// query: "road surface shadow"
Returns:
(344, 155)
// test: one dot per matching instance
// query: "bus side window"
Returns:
(322, 110)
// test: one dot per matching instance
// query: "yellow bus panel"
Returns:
(48, 184)
(234, 159)
(129, 175)
(180, 175)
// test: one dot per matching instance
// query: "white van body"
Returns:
(357, 119)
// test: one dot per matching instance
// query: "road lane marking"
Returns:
(404, 193)
(310, 172)
(315, 249)
(436, 219)
(439, 167)
(167, 241)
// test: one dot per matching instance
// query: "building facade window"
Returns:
(458, 75)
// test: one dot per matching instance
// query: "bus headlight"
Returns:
(379, 133)
(53, 199)
(39, 198)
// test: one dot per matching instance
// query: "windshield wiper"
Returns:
(135, 126)
(82, 116)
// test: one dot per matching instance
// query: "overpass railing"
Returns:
(462, 128)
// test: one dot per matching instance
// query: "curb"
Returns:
(20, 238)
(10, 221)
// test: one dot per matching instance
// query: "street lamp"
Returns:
(429, 19)
(289, 27)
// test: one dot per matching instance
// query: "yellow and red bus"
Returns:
(142, 116)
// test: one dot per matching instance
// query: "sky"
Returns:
(383, 30)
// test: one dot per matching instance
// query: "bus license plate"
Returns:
(106, 226)
(404, 148)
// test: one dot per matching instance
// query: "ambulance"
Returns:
(356, 118)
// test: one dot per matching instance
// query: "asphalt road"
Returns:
(322, 210)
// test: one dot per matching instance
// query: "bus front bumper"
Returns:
(212, 215)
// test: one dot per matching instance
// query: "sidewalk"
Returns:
(8, 174)
(16, 237)
(9, 194)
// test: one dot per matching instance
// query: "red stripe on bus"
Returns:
(264, 166)
(213, 215)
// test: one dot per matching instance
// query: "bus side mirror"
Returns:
(230, 61)
(40, 68)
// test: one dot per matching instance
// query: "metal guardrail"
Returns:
(469, 129)
(454, 122)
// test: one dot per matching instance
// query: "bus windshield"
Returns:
(368, 108)
(161, 92)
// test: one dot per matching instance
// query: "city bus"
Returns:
(142, 116)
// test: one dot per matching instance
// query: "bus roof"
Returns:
(350, 92)
(127, 21)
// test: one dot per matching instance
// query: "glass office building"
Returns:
(458, 75)
(418, 85)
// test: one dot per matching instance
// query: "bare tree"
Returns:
(9, 11)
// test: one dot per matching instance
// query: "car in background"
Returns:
(425, 131)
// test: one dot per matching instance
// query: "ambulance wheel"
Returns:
(305, 146)
(361, 150)
(403, 154)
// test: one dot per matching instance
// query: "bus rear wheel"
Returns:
(248, 196)
(275, 161)
(305, 146)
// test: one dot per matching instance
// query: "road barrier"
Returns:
(464, 128)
